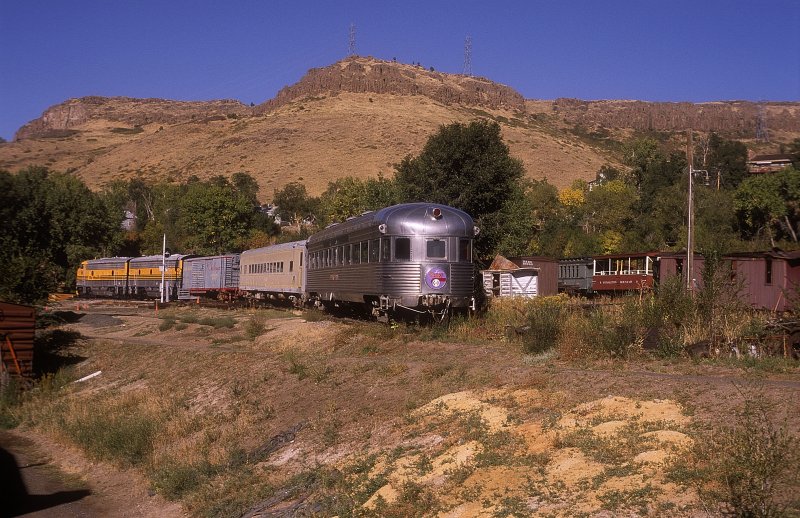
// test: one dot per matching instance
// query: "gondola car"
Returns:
(415, 257)
(144, 276)
(106, 277)
(210, 277)
(275, 272)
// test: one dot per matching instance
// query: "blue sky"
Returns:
(247, 50)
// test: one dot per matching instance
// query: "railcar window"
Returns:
(465, 250)
(291, 266)
(374, 251)
(386, 249)
(435, 248)
(364, 251)
(347, 255)
(402, 249)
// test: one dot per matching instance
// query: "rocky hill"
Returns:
(357, 117)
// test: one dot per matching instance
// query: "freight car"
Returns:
(216, 277)
(415, 257)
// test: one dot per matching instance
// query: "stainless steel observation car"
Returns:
(413, 256)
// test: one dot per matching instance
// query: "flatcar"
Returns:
(106, 277)
(144, 275)
(275, 272)
(210, 277)
(414, 257)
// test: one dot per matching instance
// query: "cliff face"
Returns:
(361, 75)
(732, 118)
(62, 118)
(368, 75)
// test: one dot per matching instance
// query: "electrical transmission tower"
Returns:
(351, 47)
(762, 133)
(468, 56)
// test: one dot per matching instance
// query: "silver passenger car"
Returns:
(413, 256)
(274, 272)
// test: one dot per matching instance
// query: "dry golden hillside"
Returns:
(357, 117)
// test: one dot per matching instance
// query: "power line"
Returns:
(468, 56)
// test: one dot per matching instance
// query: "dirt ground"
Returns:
(394, 422)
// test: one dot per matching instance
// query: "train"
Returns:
(621, 273)
(413, 258)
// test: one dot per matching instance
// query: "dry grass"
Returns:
(351, 419)
(328, 137)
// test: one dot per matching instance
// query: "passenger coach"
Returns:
(413, 256)
(274, 272)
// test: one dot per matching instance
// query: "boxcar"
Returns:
(106, 277)
(216, 276)
(412, 256)
(144, 275)
(274, 272)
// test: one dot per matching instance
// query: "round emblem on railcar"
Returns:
(435, 278)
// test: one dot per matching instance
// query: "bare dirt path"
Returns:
(45, 479)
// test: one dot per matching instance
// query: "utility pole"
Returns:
(163, 266)
(690, 219)
(468, 56)
(351, 47)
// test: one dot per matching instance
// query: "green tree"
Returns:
(769, 204)
(294, 203)
(246, 185)
(728, 159)
(51, 222)
(348, 196)
(467, 166)
(214, 218)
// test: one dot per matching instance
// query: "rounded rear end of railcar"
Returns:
(413, 257)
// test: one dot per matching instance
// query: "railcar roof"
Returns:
(157, 257)
(276, 248)
(109, 260)
(405, 219)
(206, 257)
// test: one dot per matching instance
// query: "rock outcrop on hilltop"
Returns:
(125, 110)
(366, 75)
(735, 118)
(369, 75)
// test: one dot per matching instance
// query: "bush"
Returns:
(218, 322)
(545, 319)
(749, 468)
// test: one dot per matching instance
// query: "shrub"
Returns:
(218, 322)
(545, 318)
(748, 468)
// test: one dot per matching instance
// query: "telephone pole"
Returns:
(690, 219)
(351, 47)
(468, 56)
